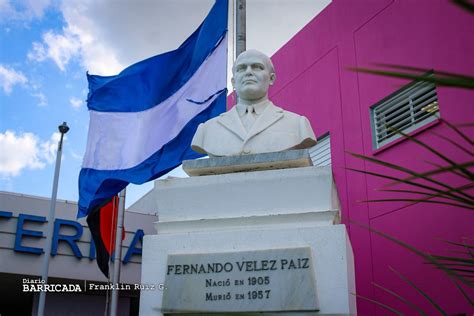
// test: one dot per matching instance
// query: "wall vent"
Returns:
(321, 152)
(406, 110)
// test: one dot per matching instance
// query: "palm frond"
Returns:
(466, 271)
(452, 142)
(434, 151)
(455, 259)
(428, 196)
(454, 169)
(404, 300)
(467, 199)
(438, 170)
(454, 80)
(464, 4)
(441, 193)
(464, 293)
(393, 310)
(416, 201)
(420, 291)
(427, 257)
(463, 245)
(380, 175)
(458, 131)
(424, 71)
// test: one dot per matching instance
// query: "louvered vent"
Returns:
(321, 152)
(405, 110)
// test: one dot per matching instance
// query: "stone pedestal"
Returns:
(262, 241)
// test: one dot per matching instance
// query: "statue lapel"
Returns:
(271, 115)
(232, 122)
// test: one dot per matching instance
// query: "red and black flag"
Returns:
(102, 222)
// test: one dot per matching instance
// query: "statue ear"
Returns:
(232, 80)
(272, 78)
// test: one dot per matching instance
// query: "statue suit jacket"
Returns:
(274, 130)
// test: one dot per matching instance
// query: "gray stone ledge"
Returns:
(246, 163)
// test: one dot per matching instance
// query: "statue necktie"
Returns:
(249, 117)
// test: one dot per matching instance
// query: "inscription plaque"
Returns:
(248, 281)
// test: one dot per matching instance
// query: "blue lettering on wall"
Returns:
(92, 253)
(133, 250)
(20, 232)
(70, 240)
(6, 214)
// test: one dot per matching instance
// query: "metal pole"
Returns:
(63, 129)
(118, 252)
(240, 27)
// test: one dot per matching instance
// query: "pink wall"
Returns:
(312, 79)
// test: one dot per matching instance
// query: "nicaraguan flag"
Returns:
(142, 120)
(102, 223)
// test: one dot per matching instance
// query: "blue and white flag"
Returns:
(142, 120)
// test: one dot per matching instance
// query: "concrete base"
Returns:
(245, 194)
(251, 212)
(332, 258)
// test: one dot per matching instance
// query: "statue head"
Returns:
(252, 74)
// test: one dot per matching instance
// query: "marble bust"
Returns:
(255, 125)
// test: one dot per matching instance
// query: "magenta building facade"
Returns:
(313, 79)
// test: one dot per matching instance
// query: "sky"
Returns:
(47, 46)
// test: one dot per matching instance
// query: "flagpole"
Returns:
(63, 129)
(240, 31)
(118, 252)
(240, 27)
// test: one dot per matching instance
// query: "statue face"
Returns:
(252, 75)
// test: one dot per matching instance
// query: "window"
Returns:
(321, 152)
(406, 110)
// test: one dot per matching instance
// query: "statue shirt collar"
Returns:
(259, 107)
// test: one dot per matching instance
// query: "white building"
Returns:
(22, 237)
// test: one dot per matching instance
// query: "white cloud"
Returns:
(10, 77)
(36, 8)
(75, 155)
(7, 11)
(60, 48)
(25, 151)
(48, 149)
(22, 10)
(41, 98)
(75, 102)
(108, 35)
